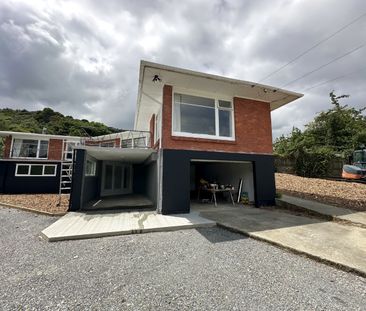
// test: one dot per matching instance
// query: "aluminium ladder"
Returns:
(66, 169)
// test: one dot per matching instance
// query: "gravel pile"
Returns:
(339, 193)
(38, 202)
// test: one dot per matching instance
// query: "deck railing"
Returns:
(126, 139)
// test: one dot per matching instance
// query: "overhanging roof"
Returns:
(130, 155)
(150, 93)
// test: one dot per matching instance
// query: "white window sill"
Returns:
(20, 175)
(28, 158)
(203, 136)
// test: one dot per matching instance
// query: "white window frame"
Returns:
(216, 98)
(157, 126)
(29, 170)
(94, 167)
(38, 148)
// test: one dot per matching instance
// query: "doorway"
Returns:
(116, 178)
(235, 175)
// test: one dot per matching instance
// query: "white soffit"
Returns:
(118, 154)
(150, 93)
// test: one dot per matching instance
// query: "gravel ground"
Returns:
(38, 202)
(205, 269)
(339, 193)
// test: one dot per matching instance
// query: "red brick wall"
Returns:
(253, 130)
(7, 147)
(55, 149)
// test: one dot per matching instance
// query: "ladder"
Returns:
(66, 169)
(65, 177)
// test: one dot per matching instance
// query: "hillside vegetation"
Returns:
(53, 122)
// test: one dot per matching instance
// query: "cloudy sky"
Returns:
(82, 57)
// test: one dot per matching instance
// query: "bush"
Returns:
(314, 163)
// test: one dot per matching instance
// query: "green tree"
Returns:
(337, 131)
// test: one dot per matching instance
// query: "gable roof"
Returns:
(149, 96)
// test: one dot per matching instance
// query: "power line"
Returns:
(324, 65)
(331, 80)
(313, 47)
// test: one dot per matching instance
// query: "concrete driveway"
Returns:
(342, 245)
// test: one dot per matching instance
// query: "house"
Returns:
(189, 126)
(36, 163)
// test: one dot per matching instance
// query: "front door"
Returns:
(116, 178)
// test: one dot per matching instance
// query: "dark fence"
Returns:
(287, 165)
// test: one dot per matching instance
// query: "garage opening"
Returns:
(221, 183)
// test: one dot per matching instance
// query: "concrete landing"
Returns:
(341, 245)
(125, 202)
(92, 225)
(332, 212)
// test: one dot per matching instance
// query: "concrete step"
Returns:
(93, 225)
(322, 210)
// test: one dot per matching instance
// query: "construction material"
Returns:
(343, 194)
(41, 203)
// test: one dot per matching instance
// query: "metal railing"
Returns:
(127, 139)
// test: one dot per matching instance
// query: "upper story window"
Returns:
(202, 117)
(29, 148)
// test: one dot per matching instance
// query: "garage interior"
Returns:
(223, 174)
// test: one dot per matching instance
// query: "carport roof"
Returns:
(130, 155)
(150, 92)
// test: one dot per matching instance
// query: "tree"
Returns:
(339, 130)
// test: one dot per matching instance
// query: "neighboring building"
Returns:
(188, 126)
(36, 163)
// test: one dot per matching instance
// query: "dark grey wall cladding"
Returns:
(176, 177)
(77, 180)
(84, 188)
(11, 184)
(92, 184)
(145, 180)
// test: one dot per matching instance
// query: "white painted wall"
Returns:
(227, 173)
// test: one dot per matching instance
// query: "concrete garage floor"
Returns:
(342, 245)
(197, 269)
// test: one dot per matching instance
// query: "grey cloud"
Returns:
(82, 58)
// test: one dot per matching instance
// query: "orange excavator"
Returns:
(357, 168)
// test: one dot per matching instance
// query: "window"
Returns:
(30, 148)
(139, 142)
(35, 170)
(157, 128)
(90, 168)
(127, 143)
(107, 144)
(22, 169)
(49, 170)
(202, 117)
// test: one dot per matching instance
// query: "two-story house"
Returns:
(190, 127)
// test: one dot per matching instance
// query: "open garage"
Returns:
(221, 181)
